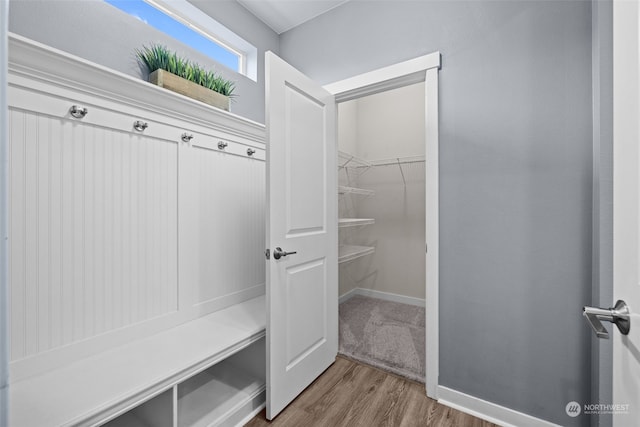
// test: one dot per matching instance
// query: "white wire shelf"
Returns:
(346, 160)
(397, 161)
(354, 222)
(352, 190)
(350, 252)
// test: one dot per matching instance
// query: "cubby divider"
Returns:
(213, 396)
(155, 412)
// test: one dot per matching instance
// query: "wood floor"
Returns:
(352, 394)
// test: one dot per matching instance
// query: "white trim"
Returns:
(432, 232)
(386, 78)
(488, 411)
(424, 68)
(250, 416)
(4, 215)
(625, 369)
(387, 296)
(348, 295)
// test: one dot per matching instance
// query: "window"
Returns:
(186, 23)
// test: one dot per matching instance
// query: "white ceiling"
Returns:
(283, 15)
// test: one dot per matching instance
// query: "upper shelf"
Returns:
(352, 222)
(352, 190)
(31, 61)
(398, 161)
(349, 253)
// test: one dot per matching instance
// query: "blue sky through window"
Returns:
(159, 20)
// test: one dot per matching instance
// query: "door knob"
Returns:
(278, 252)
(618, 315)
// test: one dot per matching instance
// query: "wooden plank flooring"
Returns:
(352, 394)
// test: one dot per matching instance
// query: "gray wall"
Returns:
(99, 32)
(516, 181)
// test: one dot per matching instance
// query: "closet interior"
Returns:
(381, 176)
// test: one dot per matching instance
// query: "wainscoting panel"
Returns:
(93, 230)
(228, 202)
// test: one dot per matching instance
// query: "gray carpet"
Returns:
(384, 334)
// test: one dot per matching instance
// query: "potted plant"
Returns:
(168, 70)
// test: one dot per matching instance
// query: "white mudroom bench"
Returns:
(136, 251)
(209, 371)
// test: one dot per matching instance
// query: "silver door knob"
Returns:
(278, 253)
(618, 315)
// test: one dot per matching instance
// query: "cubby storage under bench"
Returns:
(210, 371)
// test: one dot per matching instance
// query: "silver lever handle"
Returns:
(278, 253)
(618, 315)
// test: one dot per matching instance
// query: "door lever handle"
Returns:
(278, 253)
(618, 315)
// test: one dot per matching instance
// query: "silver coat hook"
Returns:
(77, 112)
(140, 126)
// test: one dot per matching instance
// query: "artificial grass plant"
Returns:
(157, 57)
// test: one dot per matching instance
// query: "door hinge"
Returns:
(267, 253)
(426, 248)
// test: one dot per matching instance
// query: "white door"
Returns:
(626, 208)
(302, 217)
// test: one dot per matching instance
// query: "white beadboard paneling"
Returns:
(93, 230)
(43, 168)
(67, 231)
(17, 243)
(101, 270)
(228, 207)
(31, 230)
(96, 265)
(55, 237)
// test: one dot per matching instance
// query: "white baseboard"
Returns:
(252, 414)
(381, 295)
(488, 411)
(347, 296)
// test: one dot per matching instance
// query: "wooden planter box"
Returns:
(185, 87)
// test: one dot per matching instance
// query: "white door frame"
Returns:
(424, 68)
(4, 215)
(626, 210)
